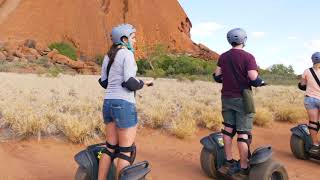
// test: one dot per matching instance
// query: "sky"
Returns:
(279, 31)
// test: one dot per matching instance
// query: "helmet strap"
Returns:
(128, 46)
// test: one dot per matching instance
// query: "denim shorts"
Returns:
(311, 103)
(122, 112)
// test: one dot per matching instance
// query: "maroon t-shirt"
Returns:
(242, 63)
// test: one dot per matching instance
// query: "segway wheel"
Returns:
(269, 170)
(81, 174)
(208, 163)
(298, 147)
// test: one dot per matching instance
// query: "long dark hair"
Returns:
(113, 52)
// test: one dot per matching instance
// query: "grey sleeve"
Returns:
(104, 68)
(129, 67)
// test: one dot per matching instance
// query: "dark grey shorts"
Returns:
(234, 114)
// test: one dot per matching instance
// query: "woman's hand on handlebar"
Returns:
(149, 83)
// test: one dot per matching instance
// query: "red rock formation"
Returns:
(87, 24)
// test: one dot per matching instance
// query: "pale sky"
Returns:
(279, 31)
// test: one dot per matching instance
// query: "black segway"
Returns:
(262, 166)
(89, 163)
(301, 142)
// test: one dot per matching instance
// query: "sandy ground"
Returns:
(170, 158)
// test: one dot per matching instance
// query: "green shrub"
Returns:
(279, 74)
(176, 67)
(99, 59)
(5, 66)
(276, 79)
(44, 62)
(54, 71)
(157, 73)
(282, 69)
(65, 49)
(143, 66)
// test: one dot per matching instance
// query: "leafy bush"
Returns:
(99, 59)
(279, 74)
(176, 66)
(65, 49)
(143, 67)
(44, 61)
(282, 69)
(54, 71)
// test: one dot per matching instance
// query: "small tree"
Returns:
(153, 52)
(282, 69)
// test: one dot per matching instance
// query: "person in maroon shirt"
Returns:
(236, 70)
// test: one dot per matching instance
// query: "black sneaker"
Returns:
(238, 173)
(241, 174)
(227, 165)
(230, 163)
(244, 172)
(234, 169)
(315, 150)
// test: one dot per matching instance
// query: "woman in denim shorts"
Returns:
(312, 99)
(118, 76)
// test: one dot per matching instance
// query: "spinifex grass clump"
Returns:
(70, 106)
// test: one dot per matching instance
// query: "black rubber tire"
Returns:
(81, 174)
(298, 147)
(269, 170)
(208, 163)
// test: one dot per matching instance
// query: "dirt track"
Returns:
(170, 157)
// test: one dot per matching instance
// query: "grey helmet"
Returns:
(237, 35)
(315, 57)
(122, 30)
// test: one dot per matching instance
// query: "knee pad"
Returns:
(247, 141)
(112, 155)
(131, 149)
(313, 128)
(228, 133)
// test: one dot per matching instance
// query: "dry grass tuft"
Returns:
(263, 117)
(71, 106)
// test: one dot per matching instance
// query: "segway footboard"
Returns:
(214, 144)
(88, 160)
(136, 171)
(302, 131)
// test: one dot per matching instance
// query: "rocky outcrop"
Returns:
(205, 53)
(87, 24)
(25, 53)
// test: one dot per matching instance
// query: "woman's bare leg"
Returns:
(105, 161)
(314, 117)
(126, 139)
